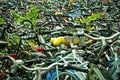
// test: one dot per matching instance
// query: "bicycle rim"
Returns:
(66, 76)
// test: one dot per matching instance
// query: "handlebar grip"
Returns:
(60, 15)
(50, 49)
(75, 25)
(68, 34)
(22, 34)
(76, 68)
(48, 31)
(89, 42)
(28, 37)
(29, 22)
(32, 60)
(84, 54)
(93, 61)
(26, 21)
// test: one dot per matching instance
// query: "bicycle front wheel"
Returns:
(65, 76)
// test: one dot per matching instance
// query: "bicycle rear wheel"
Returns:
(66, 76)
(63, 75)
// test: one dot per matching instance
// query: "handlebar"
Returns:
(100, 38)
(71, 24)
(91, 37)
(59, 40)
(76, 68)
(51, 49)
(45, 68)
(37, 67)
(32, 60)
(56, 64)
(48, 31)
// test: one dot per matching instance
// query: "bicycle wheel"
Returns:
(66, 76)
(6, 64)
(63, 75)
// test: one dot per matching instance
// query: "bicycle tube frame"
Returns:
(102, 48)
(95, 70)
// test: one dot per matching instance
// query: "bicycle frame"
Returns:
(115, 65)
(94, 68)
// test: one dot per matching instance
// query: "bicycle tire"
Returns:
(67, 73)
(6, 64)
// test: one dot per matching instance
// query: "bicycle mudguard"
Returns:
(52, 74)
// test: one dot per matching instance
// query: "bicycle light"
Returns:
(2, 75)
(13, 55)
(40, 50)
(106, 1)
(118, 51)
(34, 2)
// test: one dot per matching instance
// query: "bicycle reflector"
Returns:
(92, 12)
(113, 39)
(40, 50)
(2, 75)
(119, 25)
(34, 2)
(72, 0)
(13, 55)
(106, 1)
(104, 14)
(118, 50)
